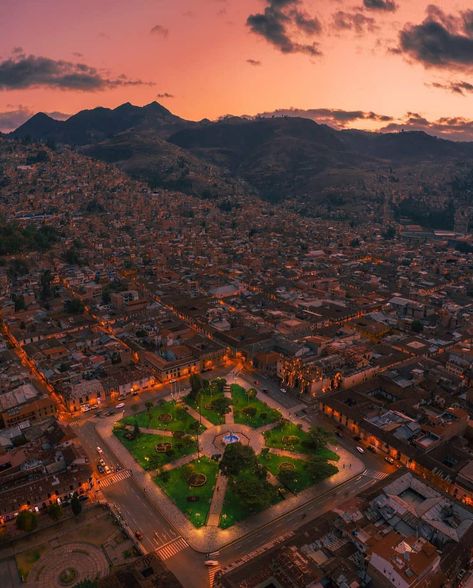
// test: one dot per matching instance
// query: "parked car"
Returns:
(360, 449)
(389, 459)
(101, 462)
(107, 469)
(120, 405)
(211, 563)
(99, 450)
(338, 434)
(100, 469)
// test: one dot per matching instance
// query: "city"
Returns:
(238, 352)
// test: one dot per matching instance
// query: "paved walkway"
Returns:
(194, 413)
(211, 538)
(217, 500)
(161, 432)
(229, 417)
(265, 428)
(179, 462)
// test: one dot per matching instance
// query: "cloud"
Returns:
(441, 40)
(12, 119)
(160, 31)
(285, 25)
(164, 95)
(336, 118)
(452, 128)
(387, 5)
(353, 21)
(254, 62)
(460, 87)
(22, 71)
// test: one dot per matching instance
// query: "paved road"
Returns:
(159, 535)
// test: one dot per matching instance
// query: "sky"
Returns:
(370, 64)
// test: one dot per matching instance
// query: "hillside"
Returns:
(277, 158)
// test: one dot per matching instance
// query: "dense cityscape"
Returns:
(236, 350)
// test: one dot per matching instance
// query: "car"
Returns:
(338, 434)
(99, 450)
(120, 405)
(371, 448)
(101, 462)
(389, 459)
(100, 469)
(211, 563)
(118, 467)
(107, 469)
(265, 389)
(360, 449)
(283, 390)
(83, 497)
(138, 535)
(94, 407)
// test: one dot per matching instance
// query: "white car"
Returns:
(99, 450)
(120, 405)
(211, 563)
(360, 449)
(283, 390)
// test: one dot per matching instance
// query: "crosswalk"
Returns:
(172, 548)
(212, 573)
(114, 478)
(376, 475)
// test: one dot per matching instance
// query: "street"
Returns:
(158, 535)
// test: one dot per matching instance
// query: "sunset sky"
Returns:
(364, 63)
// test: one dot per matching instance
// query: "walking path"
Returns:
(211, 538)
(161, 432)
(217, 500)
(179, 462)
(199, 418)
(229, 416)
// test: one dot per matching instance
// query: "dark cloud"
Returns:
(254, 62)
(453, 128)
(285, 24)
(12, 119)
(387, 5)
(336, 118)
(164, 95)
(462, 88)
(22, 71)
(353, 21)
(160, 31)
(441, 40)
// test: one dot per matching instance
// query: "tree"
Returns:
(55, 511)
(254, 492)
(149, 406)
(26, 521)
(221, 405)
(76, 505)
(45, 282)
(236, 458)
(251, 394)
(417, 327)
(74, 306)
(196, 386)
(319, 468)
(319, 438)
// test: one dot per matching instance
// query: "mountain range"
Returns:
(276, 158)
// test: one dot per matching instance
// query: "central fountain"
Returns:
(230, 438)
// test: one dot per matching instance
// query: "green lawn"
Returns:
(233, 511)
(289, 436)
(303, 477)
(143, 449)
(177, 488)
(263, 414)
(205, 400)
(157, 418)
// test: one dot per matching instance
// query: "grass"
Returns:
(26, 559)
(181, 420)
(264, 415)
(303, 478)
(143, 449)
(206, 398)
(177, 488)
(288, 436)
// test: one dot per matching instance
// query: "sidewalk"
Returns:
(217, 500)
(212, 538)
(179, 462)
(199, 418)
